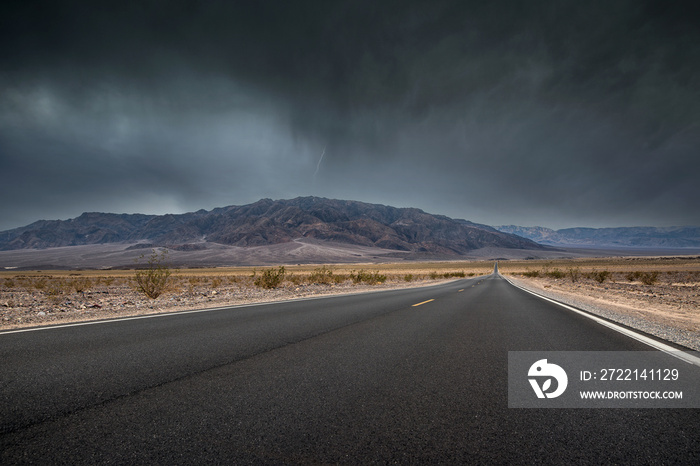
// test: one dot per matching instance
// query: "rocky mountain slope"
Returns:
(628, 237)
(268, 222)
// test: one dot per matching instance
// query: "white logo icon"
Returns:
(547, 371)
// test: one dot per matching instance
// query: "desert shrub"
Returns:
(216, 282)
(367, 277)
(153, 279)
(339, 278)
(649, 278)
(321, 275)
(80, 285)
(408, 277)
(556, 273)
(270, 278)
(574, 274)
(294, 279)
(600, 276)
(55, 289)
(9, 283)
(194, 281)
(434, 275)
(39, 283)
(531, 273)
(107, 281)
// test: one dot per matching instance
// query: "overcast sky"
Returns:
(554, 113)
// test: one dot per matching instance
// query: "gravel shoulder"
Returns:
(668, 309)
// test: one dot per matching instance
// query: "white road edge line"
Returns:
(123, 319)
(676, 353)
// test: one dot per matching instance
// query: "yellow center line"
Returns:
(418, 304)
(460, 290)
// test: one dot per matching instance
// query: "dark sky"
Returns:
(555, 113)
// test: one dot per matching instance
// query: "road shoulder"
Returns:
(632, 313)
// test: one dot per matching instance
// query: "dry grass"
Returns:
(682, 268)
(393, 271)
(418, 269)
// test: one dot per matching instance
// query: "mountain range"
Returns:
(623, 237)
(269, 222)
(312, 230)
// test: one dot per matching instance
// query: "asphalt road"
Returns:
(367, 378)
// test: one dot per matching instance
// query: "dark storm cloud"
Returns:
(559, 113)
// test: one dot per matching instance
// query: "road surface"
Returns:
(404, 376)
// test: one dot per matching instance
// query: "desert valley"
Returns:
(84, 268)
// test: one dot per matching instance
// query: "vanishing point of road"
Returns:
(404, 376)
